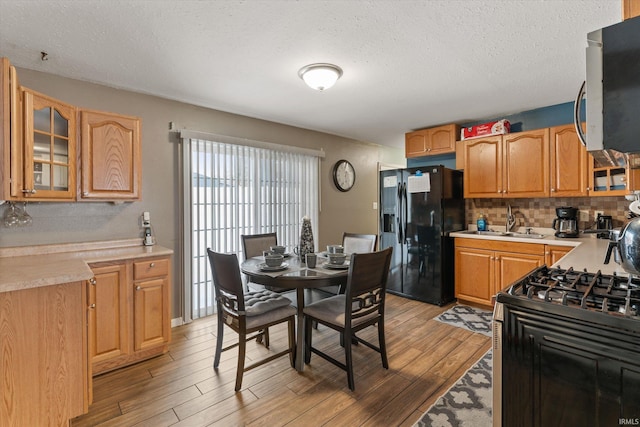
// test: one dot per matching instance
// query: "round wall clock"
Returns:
(344, 175)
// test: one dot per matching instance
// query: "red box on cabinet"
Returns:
(499, 127)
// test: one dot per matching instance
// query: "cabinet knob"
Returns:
(553, 190)
(85, 193)
(92, 281)
(153, 264)
(138, 288)
(588, 188)
(92, 306)
(32, 191)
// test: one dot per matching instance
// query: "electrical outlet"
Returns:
(584, 216)
(596, 214)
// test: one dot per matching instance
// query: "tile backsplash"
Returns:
(541, 212)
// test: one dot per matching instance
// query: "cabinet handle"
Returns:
(138, 288)
(32, 191)
(92, 281)
(85, 193)
(153, 264)
(92, 306)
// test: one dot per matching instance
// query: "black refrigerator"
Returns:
(419, 207)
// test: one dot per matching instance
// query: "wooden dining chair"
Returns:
(353, 243)
(253, 312)
(361, 306)
(359, 243)
(254, 244)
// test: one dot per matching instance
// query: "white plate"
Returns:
(336, 266)
(635, 207)
(265, 267)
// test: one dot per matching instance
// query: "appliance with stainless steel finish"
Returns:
(626, 243)
(569, 350)
(612, 94)
(419, 207)
(566, 223)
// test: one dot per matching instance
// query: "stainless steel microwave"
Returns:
(613, 90)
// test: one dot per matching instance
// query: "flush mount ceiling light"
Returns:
(320, 76)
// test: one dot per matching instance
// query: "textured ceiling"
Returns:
(407, 64)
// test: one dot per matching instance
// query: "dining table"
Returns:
(295, 275)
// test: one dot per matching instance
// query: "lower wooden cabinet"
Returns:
(554, 253)
(484, 267)
(43, 354)
(129, 317)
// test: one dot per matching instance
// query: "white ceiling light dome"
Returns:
(320, 76)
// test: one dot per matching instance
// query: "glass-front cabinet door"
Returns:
(49, 148)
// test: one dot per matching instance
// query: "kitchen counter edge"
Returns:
(28, 267)
(588, 253)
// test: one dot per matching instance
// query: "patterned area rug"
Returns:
(469, 401)
(469, 318)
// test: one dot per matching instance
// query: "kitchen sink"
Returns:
(486, 233)
(525, 235)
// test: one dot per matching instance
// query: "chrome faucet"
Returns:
(511, 219)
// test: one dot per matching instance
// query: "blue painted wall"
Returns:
(554, 115)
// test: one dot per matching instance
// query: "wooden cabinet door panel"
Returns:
(110, 156)
(416, 143)
(553, 254)
(443, 139)
(511, 267)
(49, 148)
(43, 355)
(569, 167)
(526, 164)
(474, 274)
(483, 167)
(108, 314)
(151, 315)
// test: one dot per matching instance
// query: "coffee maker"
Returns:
(566, 223)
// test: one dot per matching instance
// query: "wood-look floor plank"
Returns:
(181, 388)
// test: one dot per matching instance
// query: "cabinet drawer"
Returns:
(150, 268)
(501, 245)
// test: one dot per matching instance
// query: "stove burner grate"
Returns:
(611, 294)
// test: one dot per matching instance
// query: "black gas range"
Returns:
(567, 350)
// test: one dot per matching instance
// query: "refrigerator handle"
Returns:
(406, 209)
(399, 213)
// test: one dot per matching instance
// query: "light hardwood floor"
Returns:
(181, 388)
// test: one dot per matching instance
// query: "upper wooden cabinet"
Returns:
(48, 150)
(432, 141)
(10, 133)
(483, 167)
(110, 153)
(612, 180)
(40, 142)
(569, 166)
(513, 165)
(526, 159)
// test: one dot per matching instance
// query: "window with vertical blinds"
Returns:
(233, 189)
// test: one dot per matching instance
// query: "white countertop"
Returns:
(588, 252)
(28, 267)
